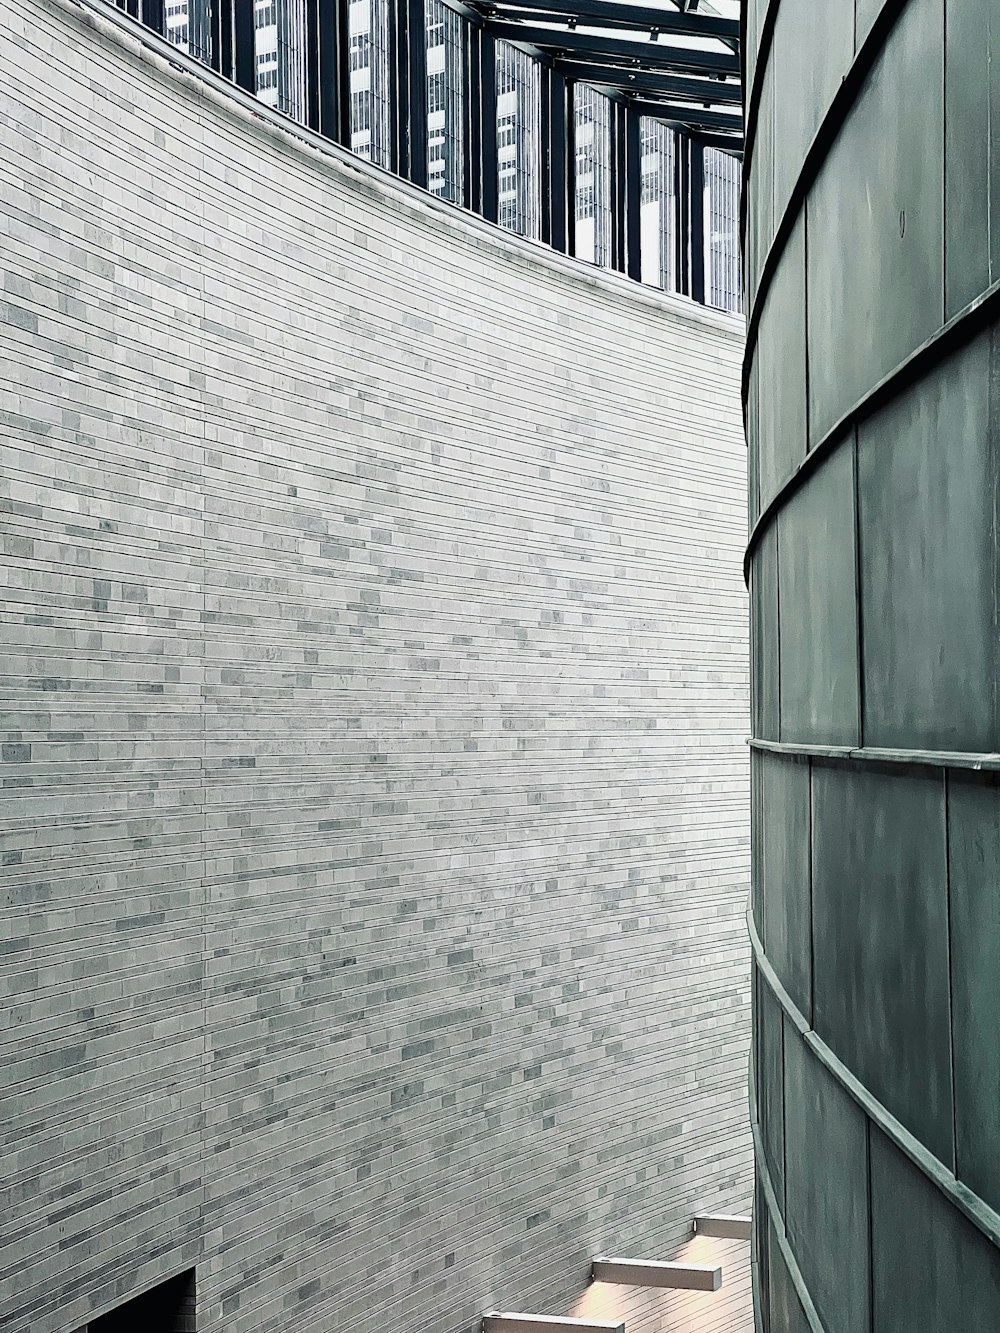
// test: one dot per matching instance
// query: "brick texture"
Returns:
(374, 825)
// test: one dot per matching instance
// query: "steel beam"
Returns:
(645, 55)
(674, 86)
(725, 143)
(606, 14)
(651, 1273)
(495, 1322)
(725, 1225)
(689, 115)
(706, 7)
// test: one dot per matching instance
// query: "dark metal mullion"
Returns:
(633, 193)
(558, 132)
(152, 15)
(545, 138)
(570, 173)
(618, 190)
(221, 38)
(488, 123)
(697, 221)
(417, 39)
(472, 164)
(331, 67)
(244, 52)
(399, 87)
(312, 64)
(682, 216)
(343, 65)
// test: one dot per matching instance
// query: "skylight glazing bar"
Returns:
(445, 101)
(658, 205)
(187, 24)
(518, 93)
(370, 80)
(280, 55)
(722, 190)
(592, 140)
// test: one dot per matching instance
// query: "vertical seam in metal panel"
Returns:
(784, 1128)
(858, 608)
(989, 145)
(946, 800)
(777, 628)
(944, 161)
(992, 459)
(812, 913)
(805, 311)
(871, 1226)
(777, 625)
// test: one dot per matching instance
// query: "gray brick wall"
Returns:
(374, 824)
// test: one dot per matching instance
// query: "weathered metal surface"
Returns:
(932, 1270)
(826, 1189)
(873, 213)
(819, 638)
(874, 223)
(787, 911)
(974, 894)
(927, 555)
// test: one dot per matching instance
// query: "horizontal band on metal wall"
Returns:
(986, 762)
(777, 1221)
(816, 154)
(958, 331)
(977, 1210)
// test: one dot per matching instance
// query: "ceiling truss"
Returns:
(677, 63)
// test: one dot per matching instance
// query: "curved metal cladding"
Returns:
(872, 248)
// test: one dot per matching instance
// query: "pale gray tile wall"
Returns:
(374, 824)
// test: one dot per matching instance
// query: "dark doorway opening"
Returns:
(169, 1307)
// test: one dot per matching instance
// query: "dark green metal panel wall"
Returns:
(872, 395)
